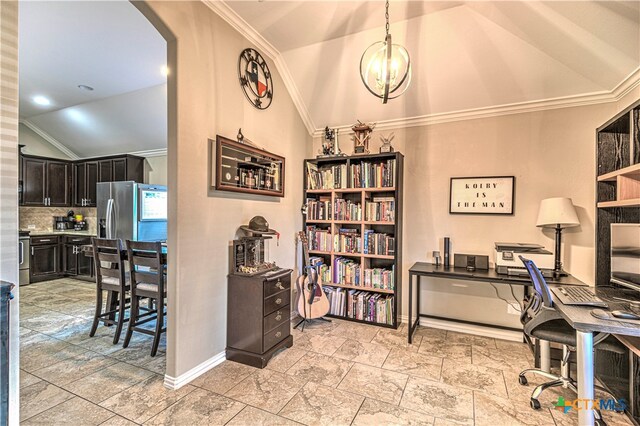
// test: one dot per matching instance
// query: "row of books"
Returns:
(319, 209)
(361, 305)
(319, 239)
(380, 209)
(347, 210)
(346, 271)
(326, 177)
(379, 278)
(378, 243)
(323, 270)
(347, 241)
(373, 175)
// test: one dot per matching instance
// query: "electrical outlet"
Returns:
(31, 227)
(512, 310)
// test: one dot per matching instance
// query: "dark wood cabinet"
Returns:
(119, 168)
(258, 316)
(107, 169)
(74, 262)
(85, 178)
(46, 182)
(45, 258)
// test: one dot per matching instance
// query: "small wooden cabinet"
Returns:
(45, 258)
(45, 182)
(258, 316)
(74, 262)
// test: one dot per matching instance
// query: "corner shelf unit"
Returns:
(391, 228)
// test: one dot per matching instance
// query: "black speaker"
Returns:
(471, 261)
(447, 252)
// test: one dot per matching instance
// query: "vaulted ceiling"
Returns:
(467, 57)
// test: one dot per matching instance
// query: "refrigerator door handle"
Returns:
(21, 257)
(109, 218)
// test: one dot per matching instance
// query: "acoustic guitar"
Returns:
(312, 302)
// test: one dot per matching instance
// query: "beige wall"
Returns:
(155, 170)
(203, 222)
(36, 145)
(551, 154)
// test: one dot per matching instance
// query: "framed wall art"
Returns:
(482, 195)
(244, 168)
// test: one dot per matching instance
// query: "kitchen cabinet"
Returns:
(45, 182)
(45, 258)
(85, 177)
(74, 262)
(106, 169)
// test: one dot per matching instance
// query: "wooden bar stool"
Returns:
(111, 277)
(148, 279)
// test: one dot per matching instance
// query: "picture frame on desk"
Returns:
(486, 195)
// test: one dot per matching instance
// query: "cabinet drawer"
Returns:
(276, 285)
(275, 336)
(78, 241)
(276, 318)
(277, 301)
(50, 239)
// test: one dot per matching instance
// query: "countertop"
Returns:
(68, 232)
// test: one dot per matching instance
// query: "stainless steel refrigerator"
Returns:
(132, 211)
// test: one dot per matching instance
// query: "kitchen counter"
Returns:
(68, 232)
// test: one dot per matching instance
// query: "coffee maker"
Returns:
(62, 223)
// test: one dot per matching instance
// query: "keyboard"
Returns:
(581, 296)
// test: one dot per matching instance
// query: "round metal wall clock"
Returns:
(255, 78)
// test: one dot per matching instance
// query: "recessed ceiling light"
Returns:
(41, 100)
(85, 87)
(164, 70)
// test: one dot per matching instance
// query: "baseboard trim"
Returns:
(175, 383)
(478, 330)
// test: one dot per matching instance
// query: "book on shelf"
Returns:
(346, 271)
(378, 243)
(347, 241)
(381, 209)
(379, 278)
(319, 209)
(319, 239)
(360, 305)
(323, 270)
(326, 177)
(347, 210)
(373, 175)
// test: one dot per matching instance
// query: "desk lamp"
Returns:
(557, 213)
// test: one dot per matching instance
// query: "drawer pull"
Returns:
(44, 240)
(278, 316)
(279, 285)
(278, 301)
(278, 334)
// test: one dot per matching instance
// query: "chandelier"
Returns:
(385, 68)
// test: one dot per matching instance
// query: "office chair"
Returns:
(542, 321)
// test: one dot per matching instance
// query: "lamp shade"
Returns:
(557, 211)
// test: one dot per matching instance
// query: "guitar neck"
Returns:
(305, 249)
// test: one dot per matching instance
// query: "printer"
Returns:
(508, 262)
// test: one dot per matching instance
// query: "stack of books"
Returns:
(382, 209)
(326, 177)
(337, 300)
(319, 239)
(373, 175)
(372, 307)
(347, 241)
(319, 209)
(379, 278)
(347, 210)
(346, 271)
(324, 271)
(376, 243)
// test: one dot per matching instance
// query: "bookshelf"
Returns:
(352, 202)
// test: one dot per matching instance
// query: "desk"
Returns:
(585, 324)
(422, 269)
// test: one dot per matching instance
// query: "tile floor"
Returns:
(338, 373)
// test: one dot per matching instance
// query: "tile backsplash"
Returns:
(42, 217)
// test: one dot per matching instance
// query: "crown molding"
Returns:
(150, 153)
(53, 141)
(222, 9)
(626, 86)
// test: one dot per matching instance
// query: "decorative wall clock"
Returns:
(255, 78)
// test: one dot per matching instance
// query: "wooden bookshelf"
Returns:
(361, 196)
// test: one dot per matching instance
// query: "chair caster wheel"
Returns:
(523, 380)
(535, 404)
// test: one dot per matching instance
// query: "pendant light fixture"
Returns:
(385, 68)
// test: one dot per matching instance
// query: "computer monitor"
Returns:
(625, 254)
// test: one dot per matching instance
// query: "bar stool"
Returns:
(148, 279)
(114, 280)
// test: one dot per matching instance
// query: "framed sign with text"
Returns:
(482, 195)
